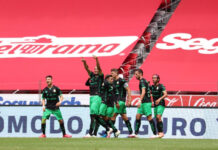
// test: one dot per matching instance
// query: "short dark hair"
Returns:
(158, 77)
(49, 76)
(114, 70)
(139, 70)
(108, 76)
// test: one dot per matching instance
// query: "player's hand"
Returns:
(157, 101)
(95, 57)
(117, 105)
(128, 103)
(129, 99)
(58, 104)
(139, 104)
(83, 60)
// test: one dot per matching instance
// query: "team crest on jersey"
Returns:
(157, 88)
(117, 82)
(54, 90)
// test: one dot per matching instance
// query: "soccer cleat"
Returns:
(154, 136)
(109, 132)
(104, 135)
(116, 134)
(94, 136)
(87, 136)
(161, 134)
(67, 136)
(42, 136)
(131, 136)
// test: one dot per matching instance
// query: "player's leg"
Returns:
(58, 115)
(113, 119)
(148, 112)
(93, 113)
(102, 114)
(46, 115)
(122, 112)
(159, 113)
(109, 114)
(99, 119)
(138, 119)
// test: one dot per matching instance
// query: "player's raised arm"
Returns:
(86, 66)
(98, 65)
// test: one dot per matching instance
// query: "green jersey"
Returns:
(144, 84)
(52, 96)
(94, 83)
(109, 94)
(157, 92)
(121, 86)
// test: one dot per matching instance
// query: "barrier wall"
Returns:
(192, 123)
(83, 99)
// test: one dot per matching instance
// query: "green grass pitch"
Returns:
(106, 144)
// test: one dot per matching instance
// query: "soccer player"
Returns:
(109, 95)
(158, 93)
(144, 105)
(95, 82)
(123, 89)
(53, 96)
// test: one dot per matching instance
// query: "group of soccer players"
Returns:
(108, 100)
(109, 97)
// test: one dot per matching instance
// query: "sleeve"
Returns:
(116, 94)
(163, 87)
(91, 74)
(125, 84)
(59, 92)
(143, 85)
(87, 82)
(43, 94)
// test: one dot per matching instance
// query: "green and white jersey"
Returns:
(52, 96)
(144, 84)
(157, 92)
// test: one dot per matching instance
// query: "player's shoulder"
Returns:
(56, 87)
(143, 80)
(45, 89)
(162, 86)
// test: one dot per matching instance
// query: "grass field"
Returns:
(105, 144)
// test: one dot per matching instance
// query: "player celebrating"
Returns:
(95, 83)
(53, 96)
(109, 99)
(123, 89)
(158, 93)
(144, 105)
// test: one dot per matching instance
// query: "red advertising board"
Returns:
(186, 54)
(186, 100)
(44, 37)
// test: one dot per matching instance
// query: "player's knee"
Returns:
(43, 121)
(158, 118)
(61, 121)
(149, 118)
(138, 116)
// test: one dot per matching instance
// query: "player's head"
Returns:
(138, 73)
(114, 72)
(155, 78)
(109, 79)
(49, 79)
(96, 71)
